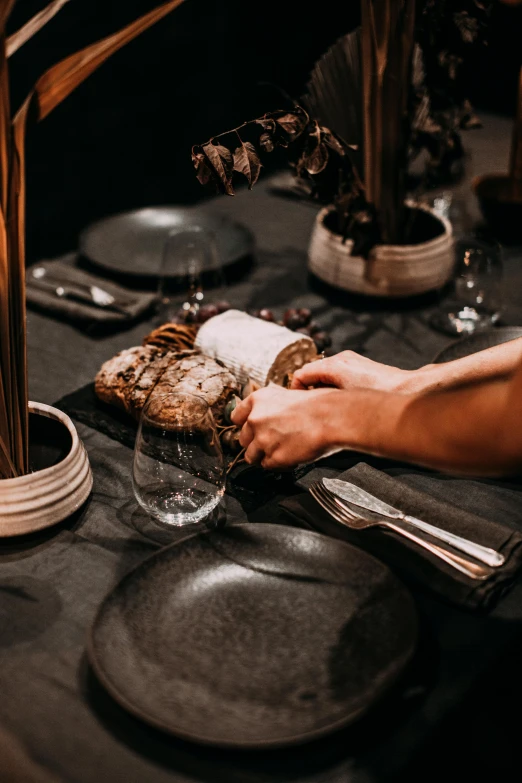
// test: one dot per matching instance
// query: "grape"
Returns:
(290, 315)
(305, 314)
(314, 327)
(223, 306)
(322, 340)
(303, 330)
(294, 321)
(206, 312)
(254, 312)
(266, 314)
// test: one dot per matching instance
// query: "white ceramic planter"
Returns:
(46, 496)
(390, 270)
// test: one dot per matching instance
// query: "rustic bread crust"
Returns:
(133, 376)
(121, 373)
(203, 376)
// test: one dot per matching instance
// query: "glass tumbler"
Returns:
(190, 264)
(476, 299)
(178, 469)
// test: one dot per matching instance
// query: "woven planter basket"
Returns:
(50, 494)
(390, 270)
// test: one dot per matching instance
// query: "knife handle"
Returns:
(467, 567)
(483, 553)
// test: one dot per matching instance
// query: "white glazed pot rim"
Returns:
(399, 249)
(49, 412)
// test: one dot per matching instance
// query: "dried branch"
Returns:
(34, 25)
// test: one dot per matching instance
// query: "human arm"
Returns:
(348, 370)
(473, 429)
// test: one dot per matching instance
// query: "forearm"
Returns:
(470, 430)
(494, 363)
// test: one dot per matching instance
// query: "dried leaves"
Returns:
(405, 108)
(246, 162)
(319, 158)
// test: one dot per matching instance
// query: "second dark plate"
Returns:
(465, 346)
(256, 635)
(131, 243)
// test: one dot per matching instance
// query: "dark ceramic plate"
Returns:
(132, 243)
(478, 342)
(257, 635)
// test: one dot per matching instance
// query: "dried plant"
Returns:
(515, 157)
(378, 96)
(50, 89)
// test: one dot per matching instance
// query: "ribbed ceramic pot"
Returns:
(50, 494)
(390, 270)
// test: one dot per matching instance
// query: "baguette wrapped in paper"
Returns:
(254, 349)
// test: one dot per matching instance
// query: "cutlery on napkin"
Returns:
(408, 560)
(60, 287)
(364, 501)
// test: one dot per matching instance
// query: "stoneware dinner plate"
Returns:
(131, 243)
(479, 341)
(257, 635)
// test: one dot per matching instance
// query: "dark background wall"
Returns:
(123, 139)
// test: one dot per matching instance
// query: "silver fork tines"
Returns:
(356, 521)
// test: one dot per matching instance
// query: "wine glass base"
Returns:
(177, 510)
(465, 321)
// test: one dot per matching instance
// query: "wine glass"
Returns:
(178, 469)
(475, 301)
(190, 261)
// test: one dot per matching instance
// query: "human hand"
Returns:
(349, 370)
(281, 428)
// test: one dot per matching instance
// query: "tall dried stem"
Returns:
(55, 85)
(387, 39)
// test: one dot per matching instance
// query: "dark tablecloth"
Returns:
(52, 583)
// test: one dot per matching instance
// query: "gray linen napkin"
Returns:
(409, 561)
(135, 303)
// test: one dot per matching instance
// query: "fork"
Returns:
(356, 521)
(84, 292)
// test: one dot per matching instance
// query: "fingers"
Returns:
(242, 411)
(246, 436)
(254, 455)
(314, 374)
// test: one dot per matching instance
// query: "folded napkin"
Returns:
(409, 561)
(134, 303)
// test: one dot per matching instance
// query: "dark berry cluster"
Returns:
(201, 314)
(297, 319)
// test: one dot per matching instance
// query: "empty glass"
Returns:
(190, 260)
(476, 299)
(178, 470)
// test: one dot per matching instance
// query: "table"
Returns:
(53, 582)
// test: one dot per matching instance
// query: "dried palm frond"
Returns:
(30, 28)
(387, 39)
(334, 92)
(515, 163)
(50, 89)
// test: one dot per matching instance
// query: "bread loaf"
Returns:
(254, 349)
(118, 377)
(203, 376)
(129, 379)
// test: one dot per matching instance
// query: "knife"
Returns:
(359, 497)
(92, 295)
